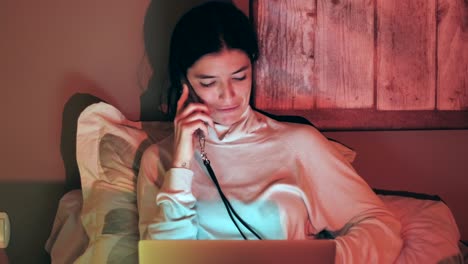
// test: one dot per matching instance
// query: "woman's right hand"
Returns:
(187, 121)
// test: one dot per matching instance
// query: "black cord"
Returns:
(223, 197)
(227, 204)
(232, 219)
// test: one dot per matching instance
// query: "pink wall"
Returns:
(243, 5)
(51, 49)
(432, 162)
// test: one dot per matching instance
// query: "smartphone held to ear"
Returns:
(192, 97)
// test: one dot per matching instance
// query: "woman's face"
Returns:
(223, 81)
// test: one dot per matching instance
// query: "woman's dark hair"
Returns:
(207, 28)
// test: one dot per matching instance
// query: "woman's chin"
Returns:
(228, 117)
(226, 120)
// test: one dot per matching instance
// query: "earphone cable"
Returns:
(226, 202)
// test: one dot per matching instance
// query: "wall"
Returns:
(370, 58)
(50, 50)
(426, 161)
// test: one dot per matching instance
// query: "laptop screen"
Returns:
(236, 251)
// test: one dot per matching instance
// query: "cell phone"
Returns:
(193, 97)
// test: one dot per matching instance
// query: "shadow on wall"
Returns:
(71, 112)
(158, 26)
(84, 92)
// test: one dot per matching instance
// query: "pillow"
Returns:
(429, 231)
(67, 239)
(109, 150)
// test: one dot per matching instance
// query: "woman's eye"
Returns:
(241, 78)
(207, 84)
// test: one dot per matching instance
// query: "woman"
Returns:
(284, 180)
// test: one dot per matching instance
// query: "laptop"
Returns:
(236, 251)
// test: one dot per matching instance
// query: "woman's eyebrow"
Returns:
(241, 69)
(205, 76)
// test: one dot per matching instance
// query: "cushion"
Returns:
(109, 148)
(67, 240)
(429, 231)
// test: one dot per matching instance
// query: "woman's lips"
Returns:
(228, 109)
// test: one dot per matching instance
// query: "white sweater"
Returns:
(285, 180)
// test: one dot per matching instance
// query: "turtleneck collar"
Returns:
(240, 131)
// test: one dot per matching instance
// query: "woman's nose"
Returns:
(226, 90)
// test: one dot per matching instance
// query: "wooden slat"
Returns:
(344, 53)
(284, 73)
(406, 37)
(452, 55)
(371, 119)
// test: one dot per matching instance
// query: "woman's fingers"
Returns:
(192, 126)
(194, 111)
(193, 107)
(197, 120)
(191, 113)
(190, 117)
(198, 116)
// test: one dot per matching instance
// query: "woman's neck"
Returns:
(223, 130)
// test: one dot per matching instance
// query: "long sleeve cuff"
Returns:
(177, 180)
